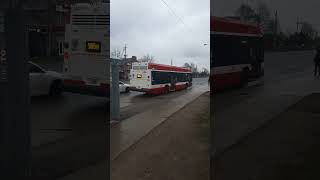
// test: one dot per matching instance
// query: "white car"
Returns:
(44, 82)
(123, 87)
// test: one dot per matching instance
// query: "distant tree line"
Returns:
(305, 37)
(204, 72)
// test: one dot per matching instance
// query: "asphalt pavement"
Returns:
(287, 147)
(236, 113)
(69, 132)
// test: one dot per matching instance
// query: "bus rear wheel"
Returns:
(244, 77)
(166, 90)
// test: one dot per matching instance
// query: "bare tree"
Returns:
(263, 17)
(246, 12)
(116, 53)
(148, 58)
(205, 71)
(308, 29)
(187, 65)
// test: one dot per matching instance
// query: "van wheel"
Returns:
(56, 88)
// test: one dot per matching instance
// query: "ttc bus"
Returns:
(237, 53)
(86, 59)
(156, 79)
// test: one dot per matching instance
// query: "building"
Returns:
(45, 25)
(124, 73)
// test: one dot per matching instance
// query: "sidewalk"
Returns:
(129, 131)
(179, 146)
(287, 147)
(176, 149)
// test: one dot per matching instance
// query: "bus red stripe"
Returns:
(221, 81)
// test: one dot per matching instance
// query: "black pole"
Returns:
(14, 102)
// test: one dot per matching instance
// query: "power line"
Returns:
(173, 12)
(178, 17)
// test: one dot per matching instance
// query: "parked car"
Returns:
(123, 87)
(44, 82)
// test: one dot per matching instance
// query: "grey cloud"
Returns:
(288, 10)
(149, 27)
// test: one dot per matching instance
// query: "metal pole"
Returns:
(115, 93)
(14, 103)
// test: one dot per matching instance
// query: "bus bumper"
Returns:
(102, 91)
(139, 90)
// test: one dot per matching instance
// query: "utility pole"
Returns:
(275, 28)
(49, 28)
(125, 51)
(115, 93)
(14, 95)
(299, 22)
(171, 62)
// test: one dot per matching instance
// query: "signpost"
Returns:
(14, 96)
(115, 93)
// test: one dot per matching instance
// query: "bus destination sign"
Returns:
(93, 46)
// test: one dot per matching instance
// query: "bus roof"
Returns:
(167, 67)
(221, 25)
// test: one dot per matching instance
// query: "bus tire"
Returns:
(166, 90)
(244, 77)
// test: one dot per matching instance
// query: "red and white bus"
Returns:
(86, 68)
(237, 53)
(158, 79)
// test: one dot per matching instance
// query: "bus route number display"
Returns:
(93, 46)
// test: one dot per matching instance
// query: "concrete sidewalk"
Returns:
(287, 147)
(129, 132)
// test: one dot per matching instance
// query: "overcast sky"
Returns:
(149, 27)
(288, 10)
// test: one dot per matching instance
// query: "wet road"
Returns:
(79, 115)
(70, 132)
(288, 77)
(279, 68)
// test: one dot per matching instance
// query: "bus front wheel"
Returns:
(244, 77)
